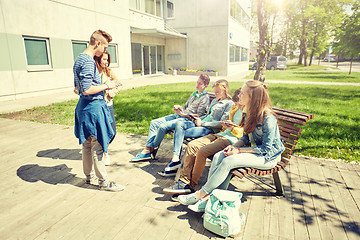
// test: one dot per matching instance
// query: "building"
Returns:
(41, 39)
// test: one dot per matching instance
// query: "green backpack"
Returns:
(222, 213)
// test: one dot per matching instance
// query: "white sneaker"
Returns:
(106, 159)
(199, 206)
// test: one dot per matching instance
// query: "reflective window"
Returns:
(37, 53)
(112, 49)
(78, 47)
(170, 8)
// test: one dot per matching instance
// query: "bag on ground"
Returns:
(222, 213)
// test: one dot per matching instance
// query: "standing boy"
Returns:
(92, 116)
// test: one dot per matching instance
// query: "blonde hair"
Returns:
(224, 85)
(100, 35)
(259, 104)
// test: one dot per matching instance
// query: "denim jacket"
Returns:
(267, 138)
(220, 112)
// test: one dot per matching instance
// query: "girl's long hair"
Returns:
(106, 69)
(259, 104)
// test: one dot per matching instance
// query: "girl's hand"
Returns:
(231, 150)
(226, 124)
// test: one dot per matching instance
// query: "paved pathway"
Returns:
(44, 195)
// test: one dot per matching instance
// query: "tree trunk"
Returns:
(311, 57)
(263, 42)
(300, 57)
(350, 65)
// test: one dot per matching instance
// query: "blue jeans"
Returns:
(219, 173)
(186, 129)
(113, 124)
(159, 127)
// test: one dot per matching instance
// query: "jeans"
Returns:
(187, 129)
(219, 173)
(167, 122)
(113, 124)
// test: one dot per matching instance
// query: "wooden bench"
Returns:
(290, 133)
(289, 122)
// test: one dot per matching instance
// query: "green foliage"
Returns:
(347, 37)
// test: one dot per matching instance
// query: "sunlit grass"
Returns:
(296, 72)
(333, 133)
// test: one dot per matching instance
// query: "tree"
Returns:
(266, 16)
(312, 23)
(264, 43)
(347, 37)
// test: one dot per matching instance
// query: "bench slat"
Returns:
(292, 120)
(282, 110)
(290, 126)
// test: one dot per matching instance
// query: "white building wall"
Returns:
(61, 21)
(208, 26)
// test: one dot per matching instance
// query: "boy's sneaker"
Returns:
(175, 198)
(173, 166)
(168, 173)
(178, 188)
(111, 186)
(141, 157)
(90, 178)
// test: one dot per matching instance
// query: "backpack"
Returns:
(222, 213)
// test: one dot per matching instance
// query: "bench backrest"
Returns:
(290, 133)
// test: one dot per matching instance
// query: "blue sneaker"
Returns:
(141, 157)
(178, 188)
(173, 166)
(168, 173)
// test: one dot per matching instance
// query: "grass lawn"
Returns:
(333, 133)
(295, 72)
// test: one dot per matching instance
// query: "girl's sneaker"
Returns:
(199, 206)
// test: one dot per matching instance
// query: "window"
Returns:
(232, 53)
(154, 7)
(78, 47)
(136, 58)
(37, 53)
(170, 8)
(112, 49)
(244, 54)
(237, 54)
(239, 14)
(150, 6)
